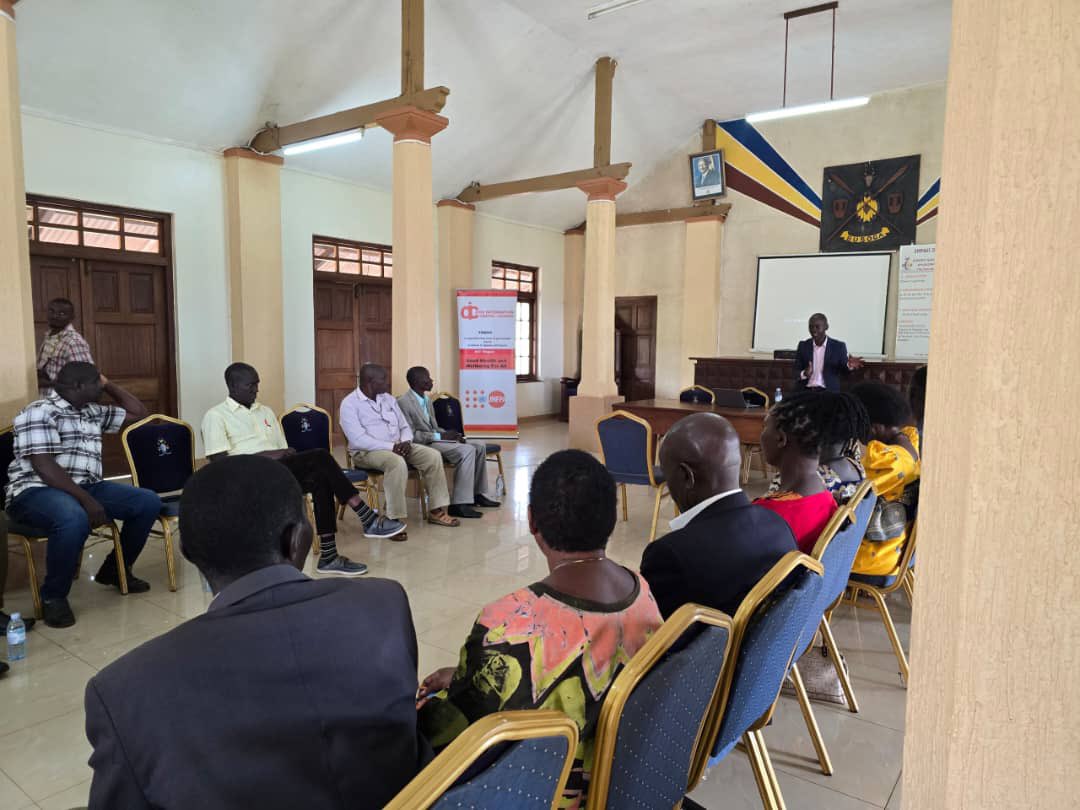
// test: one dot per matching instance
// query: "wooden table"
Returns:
(663, 413)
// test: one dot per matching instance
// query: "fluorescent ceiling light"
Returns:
(807, 109)
(324, 143)
(606, 8)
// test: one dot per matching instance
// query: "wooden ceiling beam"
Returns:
(549, 182)
(412, 46)
(605, 74)
(664, 215)
(708, 135)
(269, 140)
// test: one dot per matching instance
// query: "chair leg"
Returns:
(890, 629)
(744, 467)
(811, 721)
(500, 482)
(31, 572)
(761, 774)
(841, 671)
(778, 796)
(909, 586)
(170, 560)
(625, 506)
(656, 512)
(121, 566)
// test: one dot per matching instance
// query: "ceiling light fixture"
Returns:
(822, 106)
(325, 142)
(601, 9)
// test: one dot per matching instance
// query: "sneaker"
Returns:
(107, 575)
(384, 527)
(29, 621)
(57, 613)
(341, 567)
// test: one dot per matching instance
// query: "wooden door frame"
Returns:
(165, 260)
(634, 300)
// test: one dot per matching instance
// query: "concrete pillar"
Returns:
(597, 389)
(17, 360)
(413, 338)
(992, 706)
(456, 220)
(253, 206)
(701, 293)
(573, 299)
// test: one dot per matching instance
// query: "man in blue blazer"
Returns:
(821, 360)
(287, 693)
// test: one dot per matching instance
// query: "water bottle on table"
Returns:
(778, 396)
(16, 638)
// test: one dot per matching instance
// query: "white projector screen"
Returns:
(850, 288)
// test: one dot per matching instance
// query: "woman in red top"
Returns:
(791, 441)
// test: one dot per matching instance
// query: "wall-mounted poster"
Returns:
(870, 206)
(915, 288)
(707, 174)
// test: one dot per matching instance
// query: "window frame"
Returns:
(82, 210)
(531, 297)
(386, 259)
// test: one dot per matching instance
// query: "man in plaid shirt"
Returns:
(55, 483)
(62, 344)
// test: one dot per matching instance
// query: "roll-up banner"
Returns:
(487, 378)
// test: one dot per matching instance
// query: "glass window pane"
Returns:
(388, 258)
(511, 285)
(58, 216)
(388, 272)
(522, 366)
(29, 213)
(496, 284)
(325, 251)
(350, 253)
(351, 268)
(372, 269)
(326, 265)
(59, 236)
(510, 273)
(373, 256)
(30, 232)
(525, 286)
(143, 227)
(97, 239)
(101, 222)
(142, 244)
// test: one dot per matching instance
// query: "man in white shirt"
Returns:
(380, 439)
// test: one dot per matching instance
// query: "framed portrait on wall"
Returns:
(707, 175)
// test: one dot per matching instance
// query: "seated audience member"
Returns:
(62, 344)
(55, 483)
(720, 545)
(792, 441)
(380, 439)
(558, 643)
(467, 455)
(287, 693)
(893, 465)
(240, 426)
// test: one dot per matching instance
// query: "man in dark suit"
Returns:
(721, 544)
(288, 692)
(821, 360)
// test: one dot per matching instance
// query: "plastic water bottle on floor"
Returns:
(16, 638)
(778, 396)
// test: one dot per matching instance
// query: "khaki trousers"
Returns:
(396, 474)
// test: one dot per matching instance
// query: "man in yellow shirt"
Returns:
(242, 426)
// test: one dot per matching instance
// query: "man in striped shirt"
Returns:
(62, 344)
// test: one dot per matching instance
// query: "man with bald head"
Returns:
(720, 544)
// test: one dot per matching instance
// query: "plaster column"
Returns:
(701, 293)
(456, 220)
(253, 206)
(573, 299)
(597, 389)
(413, 336)
(18, 378)
(992, 706)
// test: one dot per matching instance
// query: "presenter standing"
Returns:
(820, 360)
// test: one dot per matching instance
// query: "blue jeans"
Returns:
(64, 520)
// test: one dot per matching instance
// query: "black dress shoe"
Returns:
(3, 667)
(463, 510)
(28, 621)
(107, 575)
(57, 613)
(484, 501)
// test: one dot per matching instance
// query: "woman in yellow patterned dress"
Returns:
(560, 642)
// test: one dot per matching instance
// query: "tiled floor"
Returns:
(448, 574)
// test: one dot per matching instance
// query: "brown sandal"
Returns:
(443, 520)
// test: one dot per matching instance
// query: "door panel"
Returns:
(635, 347)
(53, 278)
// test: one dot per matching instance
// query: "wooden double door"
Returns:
(123, 309)
(635, 347)
(352, 327)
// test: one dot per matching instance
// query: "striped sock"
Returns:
(327, 548)
(366, 514)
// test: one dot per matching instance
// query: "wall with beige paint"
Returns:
(897, 123)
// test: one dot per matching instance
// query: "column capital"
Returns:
(409, 123)
(451, 203)
(251, 154)
(602, 188)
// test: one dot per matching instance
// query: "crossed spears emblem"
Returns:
(870, 198)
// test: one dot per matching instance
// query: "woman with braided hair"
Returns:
(792, 441)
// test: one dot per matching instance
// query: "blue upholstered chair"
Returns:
(653, 716)
(533, 752)
(28, 535)
(160, 453)
(768, 625)
(698, 394)
(309, 427)
(448, 416)
(627, 449)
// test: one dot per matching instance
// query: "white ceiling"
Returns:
(210, 72)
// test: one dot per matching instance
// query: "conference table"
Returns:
(661, 414)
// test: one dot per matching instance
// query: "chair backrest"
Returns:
(447, 410)
(768, 625)
(697, 393)
(7, 455)
(755, 396)
(905, 561)
(160, 452)
(308, 427)
(626, 447)
(530, 770)
(653, 715)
